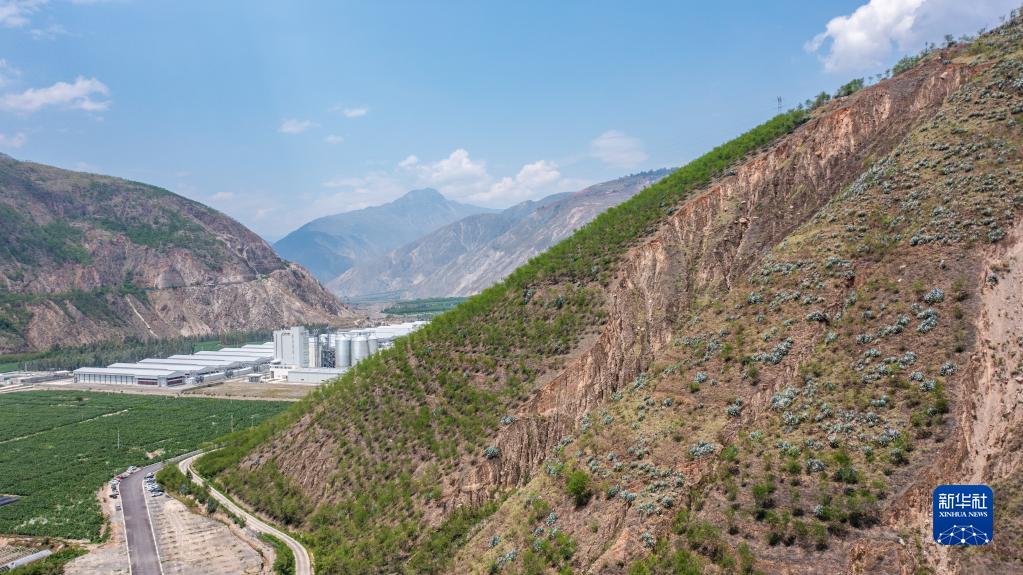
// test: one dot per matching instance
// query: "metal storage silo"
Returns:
(373, 344)
(314, 352)
(360, 348)
(343, 351)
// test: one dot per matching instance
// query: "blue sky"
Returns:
(279, 112)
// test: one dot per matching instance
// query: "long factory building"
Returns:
(200, 367)
(294, 355)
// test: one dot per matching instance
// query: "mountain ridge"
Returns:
(471, 254)
(330, 245)
(89, 258)
(763, 363)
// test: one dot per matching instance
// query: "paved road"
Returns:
(303, 561)
(143, 555)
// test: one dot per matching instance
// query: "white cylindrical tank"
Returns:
(373, 344)
(314, 352)
(360, 349)
(343, 351)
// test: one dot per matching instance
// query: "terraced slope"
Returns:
(762, 363)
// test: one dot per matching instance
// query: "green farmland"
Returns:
(58, 448)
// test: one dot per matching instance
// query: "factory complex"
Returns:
(294, 356)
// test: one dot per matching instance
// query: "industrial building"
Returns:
(191, 369)
(294, 355)
(303, 358)
(136, 376)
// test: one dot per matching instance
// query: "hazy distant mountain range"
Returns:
(330, 245)
(468, 255)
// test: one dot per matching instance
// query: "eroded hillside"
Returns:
(767, 372)
(88, 258)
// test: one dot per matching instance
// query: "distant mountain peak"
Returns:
(330, 245)
(468, 255)
(423, 194)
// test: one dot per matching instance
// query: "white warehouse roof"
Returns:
(225, 362)
(190, 368)
(235, 352)
(130, 371)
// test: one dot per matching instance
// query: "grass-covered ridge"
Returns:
(404, 418)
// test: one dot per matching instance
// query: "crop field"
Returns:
(58, 448)
(424, 306)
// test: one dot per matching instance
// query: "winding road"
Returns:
(303, 561)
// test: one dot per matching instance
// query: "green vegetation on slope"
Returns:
(30, 243)
(423, 306)
(58, 448)
(284, 562)
(440, 392)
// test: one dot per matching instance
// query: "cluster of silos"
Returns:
(352, 347)
(346, 348)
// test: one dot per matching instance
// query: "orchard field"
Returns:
(58, 448)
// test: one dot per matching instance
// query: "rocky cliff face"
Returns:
(778, 372)
(467, 256)
(88, 258)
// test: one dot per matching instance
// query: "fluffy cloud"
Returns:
(293, 126)
(15, 141)
(81, 95)
(333, 139)
(457, 176)
(17, 13)
(617, 149)
(867, 38)
(461, 177)
(458, 169)
(355, 112)
(531, 181)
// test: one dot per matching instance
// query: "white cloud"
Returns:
(456, 169)
(333, 139)
(457, 176)
(355, 112)
(222, 196)
(617, 149)
(17, 13)
(530, 182)
(77, 96)
(51, 32)
(867, 38)
(293, 126)
(7, 73)
(15, 141)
